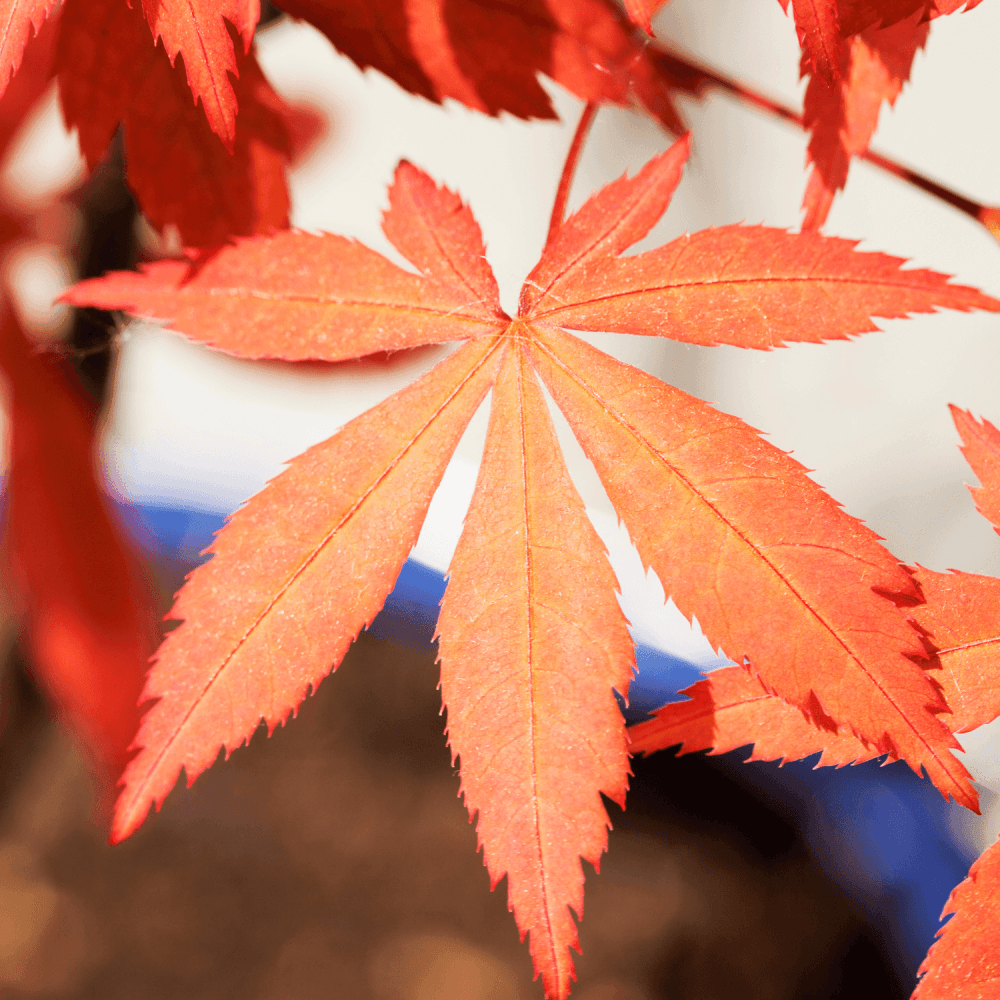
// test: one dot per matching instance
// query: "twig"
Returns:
(569, 169)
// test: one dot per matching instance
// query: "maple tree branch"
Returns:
(696, 77)
(569, 169)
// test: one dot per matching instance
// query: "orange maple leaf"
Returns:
(961, 611)
(958, 615)
(531, 639)
(962, 617)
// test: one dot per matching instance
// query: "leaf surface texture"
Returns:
(700, 494)
(180, 171)
(488, 55)
(294, 576)
(195, 30)
(749, 286)
(532, 641)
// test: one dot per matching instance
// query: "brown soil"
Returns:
(335, 860)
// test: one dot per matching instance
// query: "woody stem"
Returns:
(569, 169)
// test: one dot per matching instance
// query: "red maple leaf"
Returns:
(531, 638)
(195, 29)
(856, 15)
(818, 25)
(489, 55)
(857, 55)
(87, 613)
(26, 88)
(843, 115)
(20, 20)
(110, 74)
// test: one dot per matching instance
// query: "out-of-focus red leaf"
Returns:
(857, 15)
(640, 13)
(305, 124)
(181, 173)
(195, 30)
(88, 619)
(488, 55)
(532, 641)
(29, 82)
(964, 962)
(817, 23)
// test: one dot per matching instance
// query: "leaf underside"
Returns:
(532, 641)
(488, 56)
(111, 75)
(294, 576)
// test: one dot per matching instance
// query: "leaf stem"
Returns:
(569, 169)
(696, 77)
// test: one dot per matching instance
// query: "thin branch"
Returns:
(569, 169)
(697, 78)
